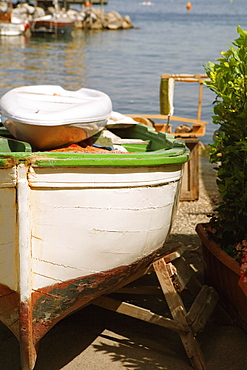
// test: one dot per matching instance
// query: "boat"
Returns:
(52, 25)
(11, 25)
(48, 116)
(58, 23)
(13, 29)
(98, 2)
(78, 225)
(86, 3)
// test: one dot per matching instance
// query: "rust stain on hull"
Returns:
(53, 303)
(27, 346)
(30, 321)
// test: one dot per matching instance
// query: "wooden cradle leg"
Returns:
(179, 313)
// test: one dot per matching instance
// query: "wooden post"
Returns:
(190, 181)
(199, 110)
(178, 313)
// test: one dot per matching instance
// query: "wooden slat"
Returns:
(202, 308)
(178, 312)
(190, 181)
(187, 77)
(139, 313)
(165, 117)
(174, 255)
(153, 290)
(199, 109)
(198, 127)
(184, 274)
(185, 324)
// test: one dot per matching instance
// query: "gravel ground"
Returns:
(190, 213)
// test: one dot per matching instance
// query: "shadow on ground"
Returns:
(94, 338)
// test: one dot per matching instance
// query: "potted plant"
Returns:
(224, 238)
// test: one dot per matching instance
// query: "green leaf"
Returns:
(228, 80)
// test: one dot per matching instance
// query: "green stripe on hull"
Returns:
(160, 149)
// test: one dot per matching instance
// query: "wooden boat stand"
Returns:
(163, 123)
(174, 275)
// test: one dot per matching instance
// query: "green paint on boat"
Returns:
(157, 148)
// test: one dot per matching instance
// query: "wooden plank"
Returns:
(184, 274)
(194, 286)
(190, 181)
(199, 107)
(165, 117)
(178, 312)
(139, 313)
(185, 324)
(198, 127)
(143, 120)
(174, 255)
(202, 308)
(153, 290)
(184, 77)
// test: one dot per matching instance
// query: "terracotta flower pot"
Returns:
(223, 273)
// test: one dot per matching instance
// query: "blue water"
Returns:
(127, 64)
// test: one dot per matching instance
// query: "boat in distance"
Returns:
(10, 24)
(52, 25)
(75, 226)
(58, 23)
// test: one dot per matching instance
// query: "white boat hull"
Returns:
(12, 29)
(74, 227)
(52, 25)
(11, 25)
(113, 220)
(84, 222)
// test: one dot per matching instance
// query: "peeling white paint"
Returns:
(24, 235)
(79, 221)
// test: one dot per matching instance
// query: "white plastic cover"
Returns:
(51, 105)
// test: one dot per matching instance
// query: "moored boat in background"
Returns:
(11, 25)
(52, 25)
(58, 23)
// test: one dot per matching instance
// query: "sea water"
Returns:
(127, 64)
